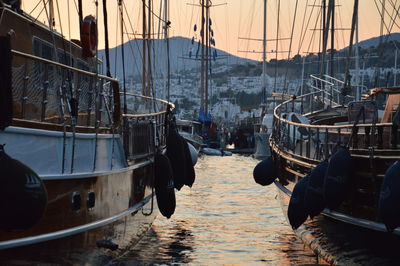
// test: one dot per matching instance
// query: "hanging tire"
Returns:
(23, 196)
(164, 185)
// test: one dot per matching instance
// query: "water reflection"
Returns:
(224, 219)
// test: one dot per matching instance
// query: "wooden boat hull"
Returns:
(125, 208)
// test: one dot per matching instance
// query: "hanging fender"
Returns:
(164, 185)
(89, 36)
(297, 212)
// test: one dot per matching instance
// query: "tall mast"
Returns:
(149, 50)
(264, 65)
(107, 50)
(332, 71)
(51, 13)
(144, 89)
(202, 55)
(382, 21)
(207, 55)
(353, 25)
(80, 16)
(166, 17)
(358, 92)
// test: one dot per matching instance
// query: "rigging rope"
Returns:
(276, 46)
(290, 44)
(123, 53)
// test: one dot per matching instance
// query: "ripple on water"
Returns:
(225, 218)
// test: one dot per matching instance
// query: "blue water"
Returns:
(224, 219)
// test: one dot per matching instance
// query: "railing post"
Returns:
(24, 97)
(326, 143)
(44, 93)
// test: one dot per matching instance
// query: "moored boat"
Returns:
(77, 172)
(360, 154)
(189, 130)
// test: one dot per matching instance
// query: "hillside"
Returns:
(179, 49)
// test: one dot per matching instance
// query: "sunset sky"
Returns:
(236, 18)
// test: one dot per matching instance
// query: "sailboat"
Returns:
(77, 163)
(343, 163)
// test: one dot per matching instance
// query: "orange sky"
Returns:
(238, 18)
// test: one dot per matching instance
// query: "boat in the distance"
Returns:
(76, 169)
(190, 131)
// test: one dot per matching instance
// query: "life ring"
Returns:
(89, 37)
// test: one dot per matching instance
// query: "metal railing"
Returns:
(50, 92)
(315, 142)
(144, 125)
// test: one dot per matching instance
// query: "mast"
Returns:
(207, 55)
(107, 49)
(149, 51)
(80, 16)
(202, 90)
(353, 25)
(52, 20)
(144, 89)
(358, 92)
(166, 17)
(332, 71)
(123, 53)
(264, 65)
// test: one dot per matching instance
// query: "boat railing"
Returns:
(64, 98)
(56, 94)
(144, 124)
(328, 129)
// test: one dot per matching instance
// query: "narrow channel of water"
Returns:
(225, 218)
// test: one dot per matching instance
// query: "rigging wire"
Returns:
(130, 40)
(382, 14)
(123, 53)
(276, 44)
(306, 27)
(290, 43)
(39, 2)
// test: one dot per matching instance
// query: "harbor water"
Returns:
(225, 218)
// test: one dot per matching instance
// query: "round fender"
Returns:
(297, 213)
(190, 173)
(337, 178)
(314, 197)
(23, 196)
(176, 156)
(389, 198)
(193, 154)
(265, 172)
(164, 185)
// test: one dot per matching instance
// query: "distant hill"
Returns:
(180, 48)
(374, 42)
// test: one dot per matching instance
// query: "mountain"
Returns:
(180, 48)
(374, 42)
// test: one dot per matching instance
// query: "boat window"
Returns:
(65, 58)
